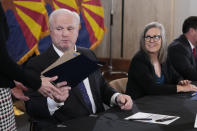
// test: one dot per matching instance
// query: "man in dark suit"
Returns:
(182, 51)
(64, 27)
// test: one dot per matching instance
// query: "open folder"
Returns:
(70, 54)
(73, 71)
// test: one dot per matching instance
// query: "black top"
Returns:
(182, 59)
(9, 70)
(142, 81)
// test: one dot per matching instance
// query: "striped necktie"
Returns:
(85, 96)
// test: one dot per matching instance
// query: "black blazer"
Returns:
(141, 78)
(9, 70)
(74, 106)
(182, 59)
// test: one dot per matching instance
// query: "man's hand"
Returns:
(186, 88)
(17, 91)
(184, 82)
(47, 89)
(124, 101)
(64, 92)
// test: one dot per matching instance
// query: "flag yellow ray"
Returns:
(55, 5)
(35, 6)
(86, 0)
(97, 30)
(32, 25)
(96, 9)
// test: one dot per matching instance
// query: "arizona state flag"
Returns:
(28, 24)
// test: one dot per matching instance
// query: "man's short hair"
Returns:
(62, 10)
(190, 22)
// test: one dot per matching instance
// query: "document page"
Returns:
(152, 118)
(195, 124)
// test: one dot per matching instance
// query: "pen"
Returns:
(135, 119)
(165, 119)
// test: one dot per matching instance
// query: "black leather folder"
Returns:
(74, 70)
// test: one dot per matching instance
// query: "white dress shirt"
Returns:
(191, 45)
(53, 106)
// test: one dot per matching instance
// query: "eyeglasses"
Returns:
(155, 38)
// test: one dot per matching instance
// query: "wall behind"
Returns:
(183, 9)
(103, 50)
(138, 13)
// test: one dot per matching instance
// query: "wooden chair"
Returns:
(119, 84)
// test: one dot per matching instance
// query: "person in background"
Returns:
(10, 71)
(84, 99)
(150, 73)
(182, 51)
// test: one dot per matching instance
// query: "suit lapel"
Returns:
(195, 59)
(192, 58)
(52, 55)
(94, 91)
(188, 48)
(48, 58)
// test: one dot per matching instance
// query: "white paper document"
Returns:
(152, 118)
(195, 124)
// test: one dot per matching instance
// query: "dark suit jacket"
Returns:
(141, 78)
(9, 70)
(74, 106)
(182, 59)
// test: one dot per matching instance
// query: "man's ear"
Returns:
(192, 30)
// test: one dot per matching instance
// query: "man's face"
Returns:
(64, 31)
(195, 37)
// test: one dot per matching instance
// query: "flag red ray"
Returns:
(30, 0)
(97, 18)
(38, 17)
(65, 6)
(92, 37)
(93, 2)
(30, 39)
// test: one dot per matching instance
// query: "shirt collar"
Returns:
(75, 48)
(191, 45)
(59, 52)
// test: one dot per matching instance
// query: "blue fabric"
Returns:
(85, 96)
(159, 80)
(83, 38)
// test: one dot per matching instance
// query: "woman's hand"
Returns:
(17, 91)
